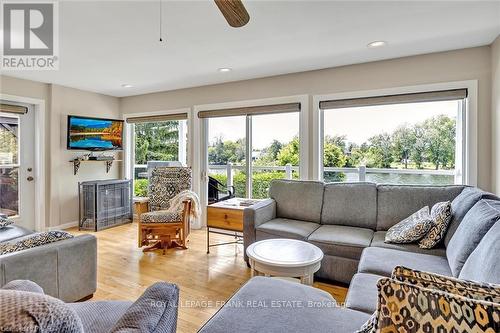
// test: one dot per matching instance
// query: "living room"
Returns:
(351, 118)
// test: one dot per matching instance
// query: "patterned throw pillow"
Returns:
(441, 218)
(5, 222)
(404, 307)
(410, 229)
(470, 289)
(33, 240)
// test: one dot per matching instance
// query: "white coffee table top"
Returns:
(284, 252)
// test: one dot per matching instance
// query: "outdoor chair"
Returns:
(218, 191)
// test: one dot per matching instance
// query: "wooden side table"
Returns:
(226, 218)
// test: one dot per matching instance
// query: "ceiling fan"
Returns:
(234, 12)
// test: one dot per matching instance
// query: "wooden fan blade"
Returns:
(234, 12)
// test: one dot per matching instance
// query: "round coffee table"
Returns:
(285, 258)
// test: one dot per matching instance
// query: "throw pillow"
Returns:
(411, 229)
(4, 221)
(33, 240)
(22, 311)
(470, 289)
(404, 307)
(441, 218)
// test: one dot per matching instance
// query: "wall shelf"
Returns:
(76, 164)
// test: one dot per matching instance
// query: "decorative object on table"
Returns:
(226, 218)
(105, 204)
(33, 240)
(5, 221)
(411, 229)
(285, 258)
(441, 217)
(162, 228)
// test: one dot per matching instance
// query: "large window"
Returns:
(264, 145)
(419, 142)
(156, 141)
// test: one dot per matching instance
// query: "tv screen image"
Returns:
(94, 133)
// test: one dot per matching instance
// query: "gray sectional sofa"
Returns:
(66, 269)
(348, 221)
(343, 219)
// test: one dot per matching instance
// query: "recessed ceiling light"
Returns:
(126, 85)
(377, 43)
(224, 70)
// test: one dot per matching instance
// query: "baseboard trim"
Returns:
(64, 226)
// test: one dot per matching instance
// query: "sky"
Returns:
(357, 124)
(92, 123)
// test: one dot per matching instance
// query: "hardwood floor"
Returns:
(205, 280)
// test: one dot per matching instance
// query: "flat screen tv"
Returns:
(94, 134)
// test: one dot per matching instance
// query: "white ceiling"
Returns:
(104, 44)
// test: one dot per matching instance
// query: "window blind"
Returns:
(251, 110)
(157, 118)
(8, 108)
(434, 96)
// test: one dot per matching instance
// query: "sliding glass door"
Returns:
(246, 152)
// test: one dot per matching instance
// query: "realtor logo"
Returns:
(30, 36)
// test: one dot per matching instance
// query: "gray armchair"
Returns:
(23, 304)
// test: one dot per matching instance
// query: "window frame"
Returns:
(468, 119)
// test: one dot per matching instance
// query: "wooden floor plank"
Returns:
(205, 280)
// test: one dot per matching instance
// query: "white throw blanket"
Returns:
(176, 204)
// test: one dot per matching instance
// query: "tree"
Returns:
(333, 156)
(289, 154)
(440, 140)
(338, 140)
(417, 153)
(380, 151)
(157, 141)
(403, 140)
(223, 152)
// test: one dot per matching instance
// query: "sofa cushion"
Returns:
(341, 241)
(362, 293)
(483, 264)
(298, 200)
(476, 223)
(273, 305)
(351, 204)
(100, 316)
(411, 229)
(22, 311)
(461, 205)
(379, 241)
(396, 202)
(377, 260)
(287, 228)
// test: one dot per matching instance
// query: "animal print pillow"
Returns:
(441, 218)
(411, 229)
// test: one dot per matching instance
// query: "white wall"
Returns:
(495, 109)
(460, 65)
(61, 185)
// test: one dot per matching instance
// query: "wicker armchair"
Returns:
(160, 228)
